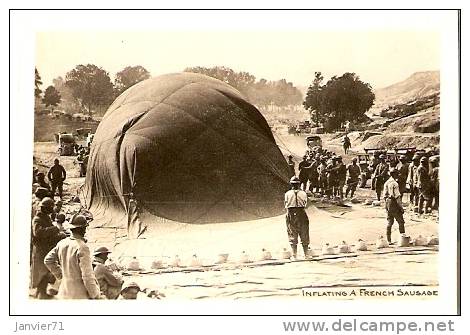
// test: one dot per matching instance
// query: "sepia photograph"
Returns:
(235, 158)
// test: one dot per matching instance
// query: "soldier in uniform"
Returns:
(304, 172)
(110, 284)
(44, 237)
(353, 177)
(402, 168)
(412, 182)
(295, 202)
(393, 204)
(424, 186)
(340, 176)
(381, 175)
(313, 177)
(434, 161)
(70, 261)
(322, 176)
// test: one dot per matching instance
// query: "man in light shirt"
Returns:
(295, 201)
(393, 204)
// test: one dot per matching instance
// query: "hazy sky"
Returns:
(380, 58)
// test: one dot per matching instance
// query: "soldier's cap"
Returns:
(416, 157)
(77, 222)
(401, 157)
(423, 159)
(354, 159)
(294, 180)
(60, 216)
(382, 156)
(47, 202)
(290, 156)
(434, 159)
(129, 285)
(101, 250)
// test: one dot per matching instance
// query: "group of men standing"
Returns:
(327, 174)
(61, 261)
(420, 179)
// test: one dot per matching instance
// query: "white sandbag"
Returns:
(433, 240)
(344, 248)
(222, 258)
(176, 262)
(381, 243)
(404, 241)
(195, 261)
(265, 255)
(420, 241)
(133, 265)
(286, 254)
(245, 258)
(157, 264)
(361, 245)
(327, 250)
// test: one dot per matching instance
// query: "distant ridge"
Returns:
(418, 85)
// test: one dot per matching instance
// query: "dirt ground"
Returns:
(329, 223)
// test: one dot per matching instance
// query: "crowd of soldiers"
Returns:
(62, 264)
(323, 172)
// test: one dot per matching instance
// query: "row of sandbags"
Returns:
(265, 255)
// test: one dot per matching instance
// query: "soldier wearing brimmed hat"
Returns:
(130, 291)
(393, 204)
(380, 175)
(44, 237)
(295, 201)
(110, 284)
(71, 262)
(412, 182)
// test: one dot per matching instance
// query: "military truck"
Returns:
(66, 144)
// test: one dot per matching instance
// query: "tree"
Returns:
(313, 98)
(261, 93)
(128, 77)
(51, 97)
(37, 83)
(91, 86)
(68, 102)
(341, 99)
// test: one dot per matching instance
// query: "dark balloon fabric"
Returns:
(189, 148)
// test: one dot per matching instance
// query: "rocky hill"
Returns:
(420, 86)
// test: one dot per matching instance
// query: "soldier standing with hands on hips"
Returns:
(295, 201)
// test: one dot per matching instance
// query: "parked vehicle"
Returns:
(66, 144)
